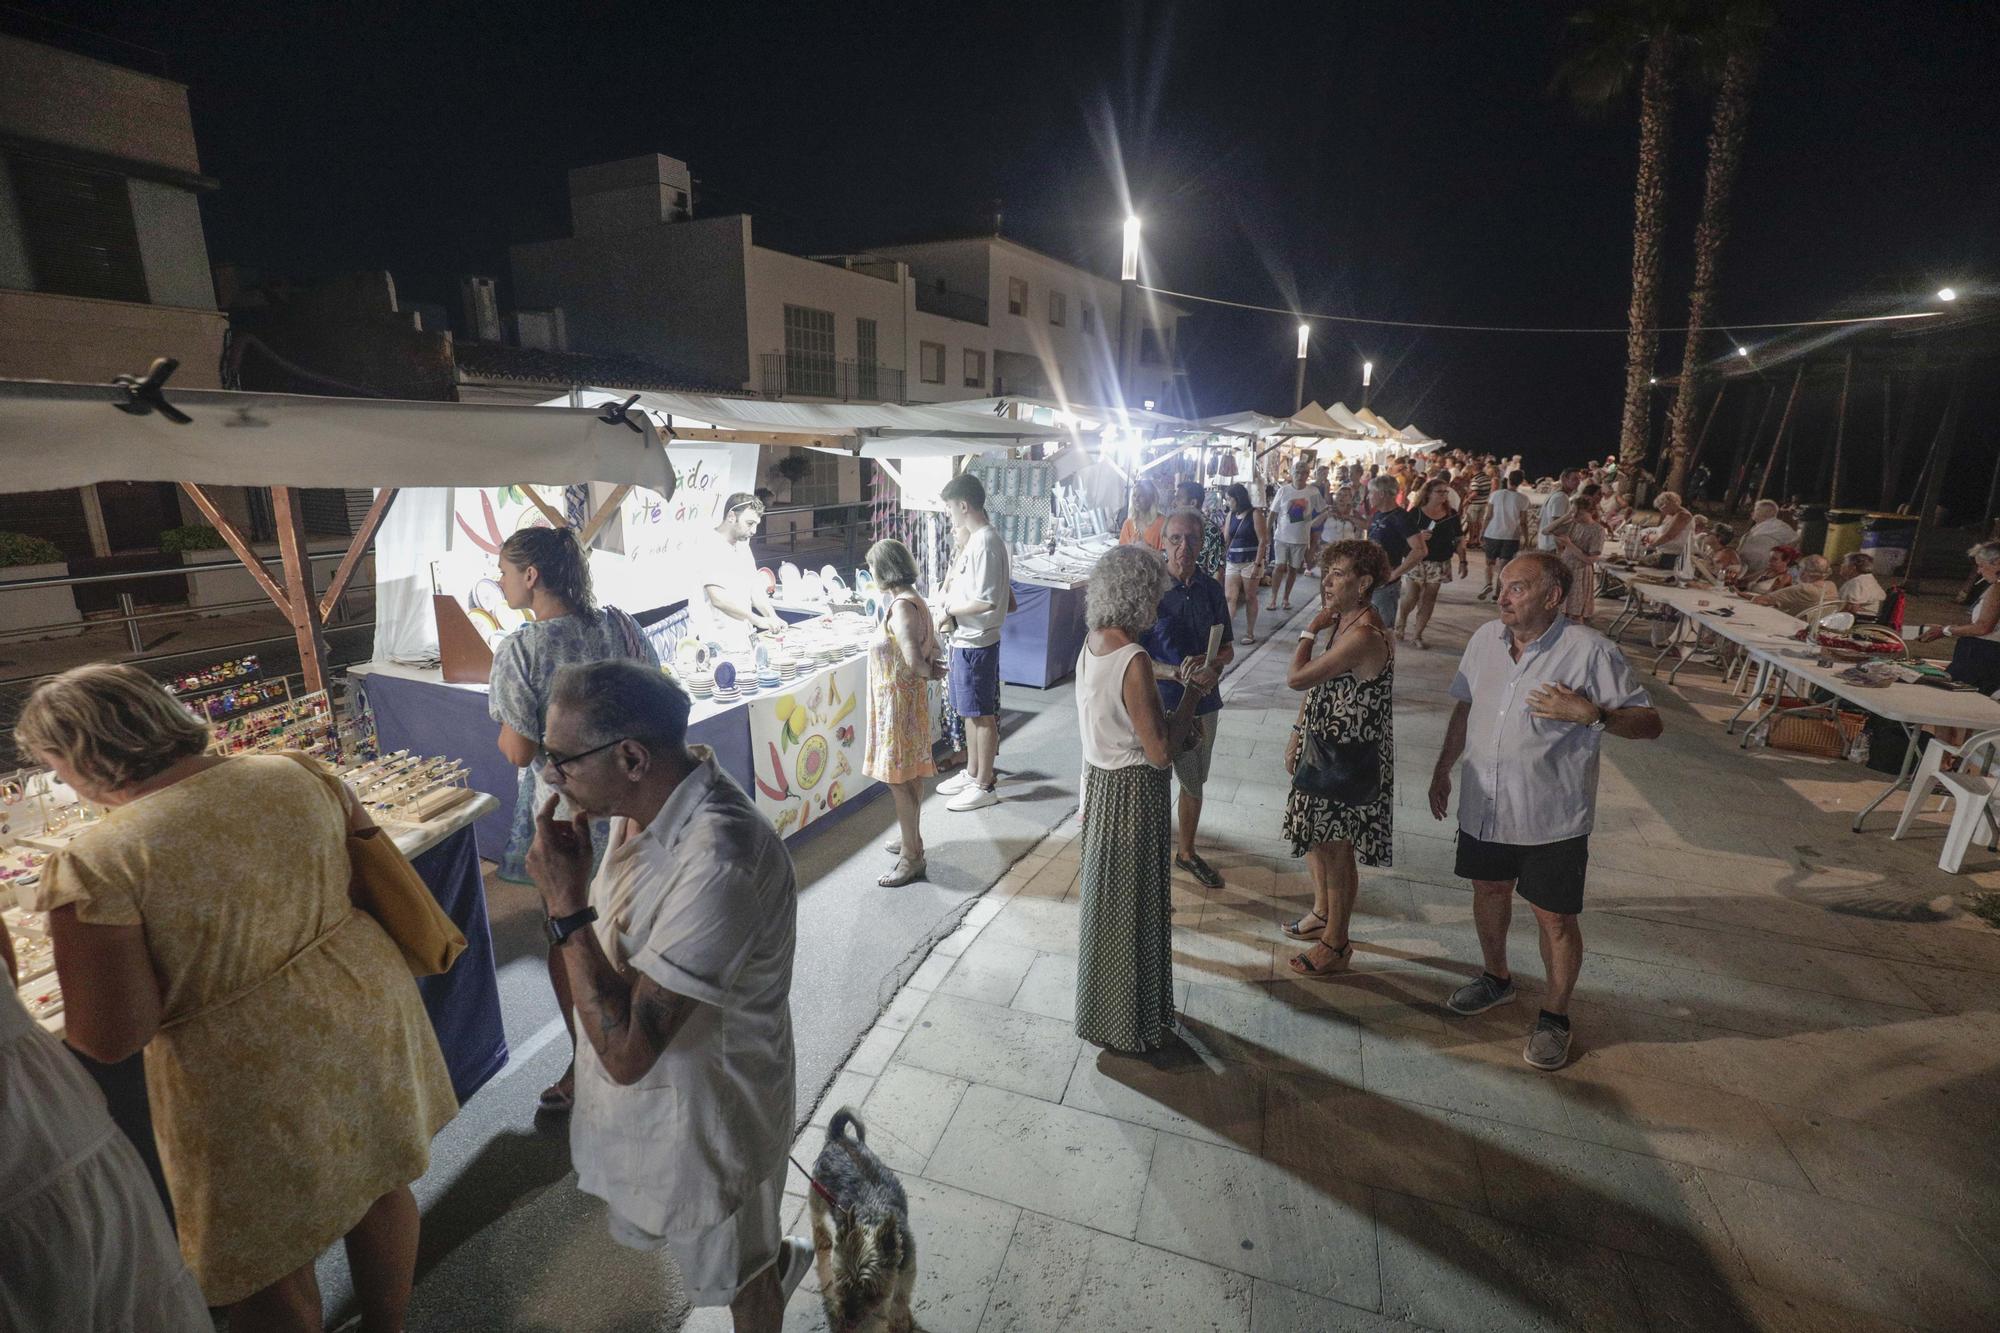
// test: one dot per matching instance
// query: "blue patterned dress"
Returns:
(524, 669)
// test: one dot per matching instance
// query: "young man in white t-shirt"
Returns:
(1294, 509)
(1506, 514)
(731, 600)
(978, 593)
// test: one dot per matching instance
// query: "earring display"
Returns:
(402, 788)
(305, 723)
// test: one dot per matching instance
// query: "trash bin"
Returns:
(1812, 528)
(1843, 533)
(1888, 537)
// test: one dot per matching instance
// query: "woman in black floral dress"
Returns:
(1348, 687)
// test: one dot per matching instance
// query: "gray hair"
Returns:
(1193, 516)
(1815, 567)
(1384, 483)
(1859, 561)
(891, 564)
(1986, 551)
(621, 699)
(1125, 590)
(1554, 571)
(1764, 508)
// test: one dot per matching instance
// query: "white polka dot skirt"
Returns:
(1125, 949)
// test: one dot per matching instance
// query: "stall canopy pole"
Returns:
(548, 511)
(220, 522)
(362, 536)
(301, 605)
(1778, 440)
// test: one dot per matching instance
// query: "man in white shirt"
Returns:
(731, 600)
(1555, 511)
(1294, 509)
(1860, 591)
(1537, 693)
(679, 955)
(978, 593)
(1767, 531)
(1506, 515)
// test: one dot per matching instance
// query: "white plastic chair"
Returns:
(1970, 793)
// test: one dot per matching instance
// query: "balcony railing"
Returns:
(952, 305)
(813, 377)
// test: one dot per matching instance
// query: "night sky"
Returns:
(1397, 160)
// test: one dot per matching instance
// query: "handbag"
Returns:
(1349, 772)
(386, 886)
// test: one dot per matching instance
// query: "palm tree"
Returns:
(1610, 44)
(1729, 45)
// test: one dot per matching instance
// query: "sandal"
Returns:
(894, 846)
(903, 873)
(1200, 869)
(1297, 930)
(1302, 966)
(1246, 641)
(557, 1099)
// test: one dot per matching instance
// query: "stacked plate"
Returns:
(701, 683)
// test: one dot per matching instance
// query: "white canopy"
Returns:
(1345, 416)
(874, 430)
(56, 436)
(1267, 427)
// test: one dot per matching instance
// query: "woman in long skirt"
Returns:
(1125, 952)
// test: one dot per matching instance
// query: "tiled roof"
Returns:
(498, 361)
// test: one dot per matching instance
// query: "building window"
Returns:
(1149, 347)
(809, 351)
(821, 484)
(1058, 308)
(865, 378)
(975, 369)
(77, 225)
(930, 362)
(1017, 296)
(1089, 318)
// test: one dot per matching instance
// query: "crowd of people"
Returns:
(277, 1013)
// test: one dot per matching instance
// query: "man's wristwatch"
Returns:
(562, 927)
(1603, 716)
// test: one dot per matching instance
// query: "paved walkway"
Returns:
(1780, 1115)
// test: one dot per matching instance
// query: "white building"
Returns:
(640, 275)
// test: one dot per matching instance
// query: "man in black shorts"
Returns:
(1536, 694)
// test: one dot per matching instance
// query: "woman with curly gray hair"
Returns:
(1125, 951)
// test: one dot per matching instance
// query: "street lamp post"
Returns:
(1128, 291)
(1299, 388)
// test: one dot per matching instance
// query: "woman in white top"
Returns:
(1976, 657)
(87, 1244)
(1674, 535)
(1125, 951)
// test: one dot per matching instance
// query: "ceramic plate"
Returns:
(770, 580)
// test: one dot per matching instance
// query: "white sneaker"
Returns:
(973, 798)
(955, 784)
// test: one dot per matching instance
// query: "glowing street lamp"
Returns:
(1367, 378)
(1129, 269)
(1299, 387)
(1947, 294)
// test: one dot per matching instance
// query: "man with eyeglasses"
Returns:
(731, 601)
(679, 953)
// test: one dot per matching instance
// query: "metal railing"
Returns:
(952, 305)
(836, 534)
(131, 617)
(847, 381)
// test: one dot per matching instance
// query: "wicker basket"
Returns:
(1827, 737)
(1899, 650)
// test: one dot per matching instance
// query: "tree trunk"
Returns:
(1940, 460)
(1725, 152)
(1746, 451)
(1649, 209)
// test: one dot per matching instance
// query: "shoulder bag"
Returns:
(1349, 772)
(386, 886)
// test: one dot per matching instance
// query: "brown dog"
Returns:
(862, 1245)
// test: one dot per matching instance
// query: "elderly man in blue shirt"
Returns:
(1178, 644)
(1537, 692)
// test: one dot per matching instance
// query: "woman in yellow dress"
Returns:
(902, 662)
(294, 1078)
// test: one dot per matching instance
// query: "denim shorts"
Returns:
(974, 686)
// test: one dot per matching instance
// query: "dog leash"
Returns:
(818, 1188)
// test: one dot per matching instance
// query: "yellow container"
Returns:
(1843, 533)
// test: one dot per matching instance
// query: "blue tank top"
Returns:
(1242, 533)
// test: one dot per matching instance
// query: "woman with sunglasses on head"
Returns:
(543, 571)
